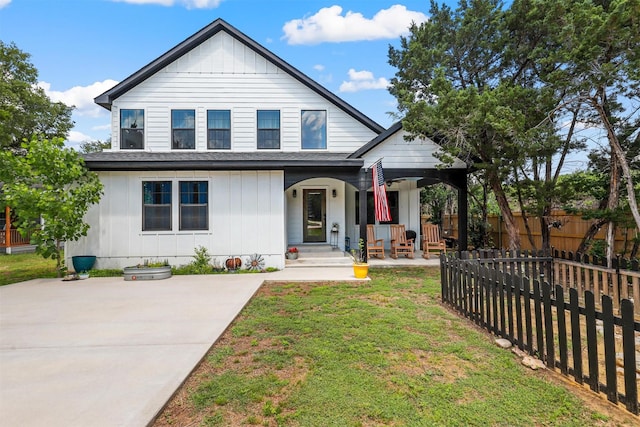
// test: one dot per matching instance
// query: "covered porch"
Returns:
(11, 241)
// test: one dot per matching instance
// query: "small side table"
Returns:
(333, 239)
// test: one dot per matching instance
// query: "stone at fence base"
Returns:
(503, 343)
(518, 352)
(533, 363)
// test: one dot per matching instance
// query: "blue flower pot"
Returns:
(83, 262)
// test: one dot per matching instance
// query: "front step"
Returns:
(319, 255)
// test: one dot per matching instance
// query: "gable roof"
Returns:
(106, 99)
(376, 141)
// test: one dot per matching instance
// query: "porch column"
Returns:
(7, 227)
(463, 213)
(362, 199)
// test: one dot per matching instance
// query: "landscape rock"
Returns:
(503, 343)
(518, 352)
(533, 363)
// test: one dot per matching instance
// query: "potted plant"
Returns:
(360, 266)
(292, 253)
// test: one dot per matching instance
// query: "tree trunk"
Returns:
(618, 154)
(588, 236)
(612, 203)
(545, 231)
(512, 229)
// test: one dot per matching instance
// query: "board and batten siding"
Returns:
(223, 73)
(246, 216)
(395, 152)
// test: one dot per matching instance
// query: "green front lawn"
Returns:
(383, 353)
(21, 267)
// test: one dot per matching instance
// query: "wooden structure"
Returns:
(11, 241)
(400, 245)
(566, 232)
(375, 247)
(516, 298)
(431, 240)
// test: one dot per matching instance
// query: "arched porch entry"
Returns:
(317, 205)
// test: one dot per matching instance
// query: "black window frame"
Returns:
(156, 201)
(267, 134)
(219, 138)
(133, 132)
(394, 207)
(191, 131)
(202, 201)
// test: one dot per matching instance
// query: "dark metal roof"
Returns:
(216, 160)
(107, 98)
(377, 140)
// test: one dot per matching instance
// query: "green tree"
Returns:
(50, 182)
(25, 110)
(461, 77)
(598, 71)
(96, 146)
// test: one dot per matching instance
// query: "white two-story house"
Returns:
(220, 143)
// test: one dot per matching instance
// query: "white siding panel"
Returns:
(246, 216)
(398, 153)
(224, 73)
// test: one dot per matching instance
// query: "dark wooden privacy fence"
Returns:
(576, 333)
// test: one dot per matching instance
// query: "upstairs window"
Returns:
(218, 129)
(268, 129)
(183, 129)
(156, 205)
(314, 129)
(194, 205)
(132, 129)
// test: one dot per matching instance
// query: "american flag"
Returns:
(381, 205)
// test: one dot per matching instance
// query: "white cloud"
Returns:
(81, 97)
(101, 127)
(76, 137)
(189, 4)
(318, 67)
(363, 80)
(329, 25)
(4, 3)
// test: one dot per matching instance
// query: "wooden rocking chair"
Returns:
(431, 240)
(375, 247)
(400, 245)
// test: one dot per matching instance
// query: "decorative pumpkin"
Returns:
(233, 263)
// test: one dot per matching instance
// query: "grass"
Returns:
(21, 267)
(366, 354)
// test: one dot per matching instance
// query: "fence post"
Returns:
(629, 355)
(538, 311)
(562, 329)
(609, 349)
(576, 342)
(592, 340)
(548, 326)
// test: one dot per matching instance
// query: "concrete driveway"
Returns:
(105, 352)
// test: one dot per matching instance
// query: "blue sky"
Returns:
(83, 47)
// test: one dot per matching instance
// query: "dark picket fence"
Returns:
(514, 297)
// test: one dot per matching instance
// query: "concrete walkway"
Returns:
(105, 352)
